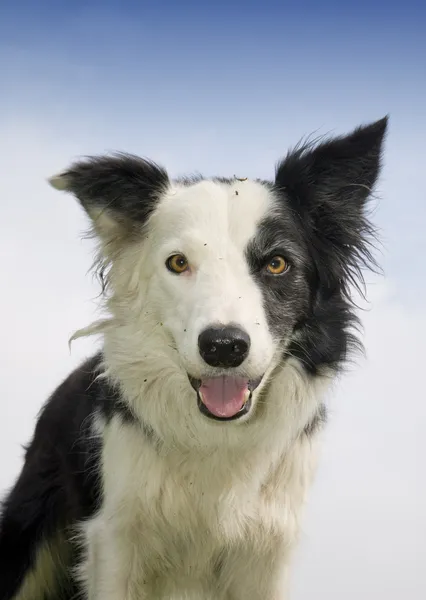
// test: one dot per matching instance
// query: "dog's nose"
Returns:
(224, 346)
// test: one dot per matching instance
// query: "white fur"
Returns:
(203, 493)
(169, 515)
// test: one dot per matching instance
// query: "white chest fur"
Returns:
(216, 525)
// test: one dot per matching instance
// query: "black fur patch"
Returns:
(286, 296)
(321, 226)
(60, 481)
(125, 185)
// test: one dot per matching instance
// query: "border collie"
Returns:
(174, 464)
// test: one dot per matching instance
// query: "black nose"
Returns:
(224, 346)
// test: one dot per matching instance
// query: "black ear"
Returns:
(118, 192)
(327, 186)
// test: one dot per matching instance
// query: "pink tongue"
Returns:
(224, 396)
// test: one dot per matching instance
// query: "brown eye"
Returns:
(277, 266)
(177, 264)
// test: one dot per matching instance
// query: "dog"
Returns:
(174, 464)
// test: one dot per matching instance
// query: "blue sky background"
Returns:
(226, 88)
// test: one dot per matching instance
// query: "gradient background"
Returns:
(225, 89)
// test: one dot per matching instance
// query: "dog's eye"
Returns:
(177, 263)
(277, 265)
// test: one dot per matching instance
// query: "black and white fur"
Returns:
(129, 491)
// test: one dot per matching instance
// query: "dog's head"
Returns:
(217, 284)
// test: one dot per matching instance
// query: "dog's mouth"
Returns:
(224, 398)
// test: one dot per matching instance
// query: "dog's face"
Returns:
(223, 281)
(227, 275)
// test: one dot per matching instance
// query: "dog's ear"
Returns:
(118, 192)
(328, 185)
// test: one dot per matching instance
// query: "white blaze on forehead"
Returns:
(218, 214)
